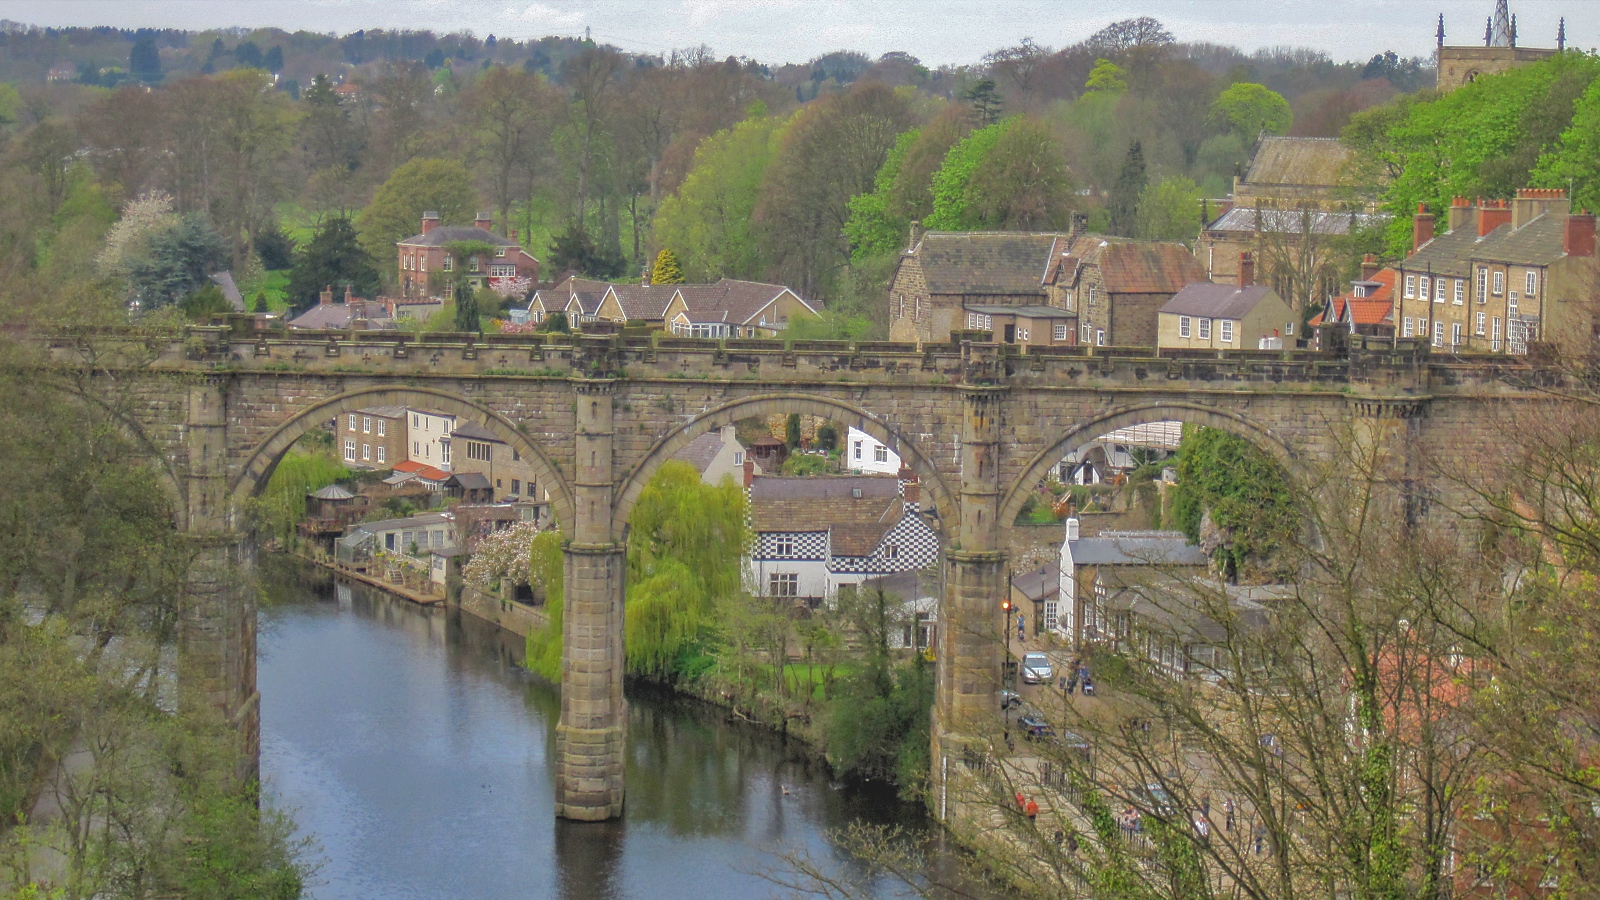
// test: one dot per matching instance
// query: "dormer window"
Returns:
(499, 251)
(1361, 290)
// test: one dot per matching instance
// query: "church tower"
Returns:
(1463, 63)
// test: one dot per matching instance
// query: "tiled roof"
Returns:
(1137, 548)
(994, 262)
(1040, 583)
(1307, 162)
(1537, 243)
(1036, 312)
(817, 503)
(449, 234)
(336, 316)
(1292, 221)
(729, 300)
(588, 291)
(1217, 301)
(1376, 308)
(421, 470)
(476, 432)
(861, 540)
(1449, 253)
(701, 451)
(471, 481)
(644, 301)
(1129, 267)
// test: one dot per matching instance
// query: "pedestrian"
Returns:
(1072, 682)
(1205, 805)
(1031, 810)
(1021, 631)
(1062, 682)
(1227, 807)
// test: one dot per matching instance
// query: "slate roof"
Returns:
(1137, 549)
(990, 262)
(1292, 221)
(588, 291)
(449, 234)
(1306, 162)
(730, 300)
(476, 432)
(423, 521)
(1036, 312)
(336, 316)
(1040, 583)
(470, 481)
(1131, 267)
(333, 492)
(387, 412)
(1449, 253)
(644, 301)
(230, 291)
(701, 451)
(1538, 242)
(818, 503)
(1217, 301)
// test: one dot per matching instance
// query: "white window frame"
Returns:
(1088, 331)
(1059, 333)
(422, 263)
(366, 451)
(1422, 286)
(783, 584)
(352, 422)
(1438, 332)
(1461, 291)
(366, 424)
(499, 251)
(1226, 335)
(382, 454)
(350, 451)
(1183, 326)
(1532, 284)
(1499, 283)
(1408, 328)
(1099, 337)
(1478, 323)
(1411, 286)
(1494, 333)
(783, 545)
(880, 453)
(1438, 290)
(1288, 329)
(1455, 334)
(1483, 284)
(1022, 334)
(858, 449)
(1205, 328)
(383, 427)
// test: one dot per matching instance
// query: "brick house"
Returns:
(426, 267)
(1366, 309)
(372, 438)
(1505, 274)
(1117, 286)
(475, 450)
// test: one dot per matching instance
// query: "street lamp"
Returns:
(1005, 667)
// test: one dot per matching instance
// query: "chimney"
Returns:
(1369, 267)
(644, 276)
(430, 221)
(727, 434)
(1247, 269)
(1461, 212)
(749, 472)
(484, 221)
(1072, 529)
(326, 299)
(1491, 215)
(1421, 227)
(912, 492)
(1531, 203)
(916, 234)
(347, 295)
(1579, 237)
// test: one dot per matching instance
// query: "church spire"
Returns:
(1561, 34)
(1501, 30)
(1441, 29)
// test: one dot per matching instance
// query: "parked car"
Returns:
(1035, 728)
(1009, 700)
(1035, 668)
(1159, 801)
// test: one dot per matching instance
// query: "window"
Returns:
(880, 453)
(382, 453)
(1494, 333)
(1511, 305)
(1022, 334)
(891, 551)
(472, 264)
(516, 486)
(366, 451)
(1438, 290)
(783, 546)
(1059, 333)
(784, 584)
(1183, 326)
(383, 427)
(422, 263)
(350, 450)
(1086, 332)
(1461, 290)
(1438, 333)
(1411, 286)
(416, 448)
(1532, 284)
(1227, 331)
(444, 453)
(738, 457)
(449, 263)
(1499, 283)
(1483, 283)
(1099, 337)
(1288, 329)
(858, 449)
(1406, 329)
(416, 421)
(1477, 325)
(1205, 329)
(502, 271)
(1422, 287)
(352, 422)
(499, 251)
(366, 424)
(1455, 334)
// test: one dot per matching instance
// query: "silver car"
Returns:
(1035, 668)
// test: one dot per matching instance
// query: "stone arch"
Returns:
(261, 461)
(1088, 430)
(767, 404)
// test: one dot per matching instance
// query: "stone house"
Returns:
(943, 276)
(1504, 275)
(733, 308)
(1169, 619)
(815, 535)
(426, 267)
(717, 455)
(372, 438)
(475, 450)
(1087, 567)
(429, 434)
(577, 298)
(354, 314)
(1116, 286)
(1206, 316)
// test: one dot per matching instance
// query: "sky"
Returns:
(938, 32)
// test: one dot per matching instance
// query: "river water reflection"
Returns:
(420, 758)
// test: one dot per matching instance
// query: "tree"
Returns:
(985, 100)
(421, 185)
(275, 248)
(949, 189)
(333, 258)
(1169, 210)
(261, 303)
(1123, 201)
(1107, 77)
(666, 269)
(204, 303)
(1020, 66)
(1024, 183)
(556, 322)
(506, 109)
(791, 431)
(1229, 483)
(144, 60)
(273, 60)
(573, 250)
(1252, 110)
(330, 138)
(247, 55)
(1129, 34)
(175, 262)
(708, 220)
(872, 228)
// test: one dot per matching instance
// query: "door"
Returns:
(1011, 334)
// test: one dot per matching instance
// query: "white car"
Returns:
(1035, 668)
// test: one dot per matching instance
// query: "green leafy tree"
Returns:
(791, 431)
(1169, 210)
(556, 322)
(574, 250)
(949, 187)
(1252, 110)
(546, 573)
(176, 262)
(332, 258)
(1241, 489)
(1024, 183)
(273, 60)
(1123, 202)
(985, 100)
(204, 303)
(421, 185)
(872, 228)
(261, 303)
(708, 220)
(144, 60)
(666, 269)
(1107, 77)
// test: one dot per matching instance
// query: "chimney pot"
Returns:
(1369, 267)
(485, 221)
(1579, 238)
(1247, 269)
(326, 298)
(1421, 227)
(430, 221)
(1491, 215)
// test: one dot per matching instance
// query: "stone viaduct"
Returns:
(981, 424)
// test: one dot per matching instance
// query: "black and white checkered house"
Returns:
(816, 534)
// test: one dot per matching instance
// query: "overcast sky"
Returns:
(936, 31)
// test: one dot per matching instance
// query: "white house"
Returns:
(716, 455)
(863, 453)
(1085, 560)
(429, 433)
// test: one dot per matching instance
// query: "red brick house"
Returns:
(426, 268)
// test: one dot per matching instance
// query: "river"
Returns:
(414, 751)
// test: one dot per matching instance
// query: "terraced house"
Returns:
(1504, 275)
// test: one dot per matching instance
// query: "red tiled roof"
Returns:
(421, 470)
(1155, 268)
(1376, 308)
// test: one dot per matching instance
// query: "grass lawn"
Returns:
(275, 284)
(797, 676)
